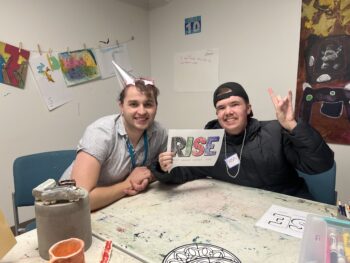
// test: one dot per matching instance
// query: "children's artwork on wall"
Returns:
(105, 56)
(48, 75)
(13, 65)
(323, 85)
(78, 66)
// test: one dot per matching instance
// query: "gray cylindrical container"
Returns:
(61, 221)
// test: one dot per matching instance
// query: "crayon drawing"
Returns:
(323, 84)
(13, 65)
(48, 75)
(78, 66)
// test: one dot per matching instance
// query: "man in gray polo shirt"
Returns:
(115, 151)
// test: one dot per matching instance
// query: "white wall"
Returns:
(26, 124)
(258, 43)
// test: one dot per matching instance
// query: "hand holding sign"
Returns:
(191, 148)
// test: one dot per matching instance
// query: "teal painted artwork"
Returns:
(78, 66)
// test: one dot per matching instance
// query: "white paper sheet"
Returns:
(195, 147)
(48, 75)
(105, 56)
(284, 220)
(196, 71)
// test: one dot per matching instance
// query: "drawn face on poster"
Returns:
(323, 92)
(13, 65)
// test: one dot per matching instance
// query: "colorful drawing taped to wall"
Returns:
(13, 65)
(48, 75)
(79, 66)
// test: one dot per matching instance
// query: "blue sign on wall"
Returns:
(193, 25)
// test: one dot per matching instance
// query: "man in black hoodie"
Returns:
(260, 154)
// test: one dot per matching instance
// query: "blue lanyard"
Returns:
(132, 150)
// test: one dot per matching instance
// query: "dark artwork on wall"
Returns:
(323, 85)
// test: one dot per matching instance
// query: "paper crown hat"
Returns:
(126, 78)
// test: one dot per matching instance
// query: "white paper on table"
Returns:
(284, 220)
(104, 57)
(48, 75)
(195, 147)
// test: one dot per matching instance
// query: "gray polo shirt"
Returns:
(105, 139)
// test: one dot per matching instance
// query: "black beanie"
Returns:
(236, 90)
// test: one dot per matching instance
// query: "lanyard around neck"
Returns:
(132, 150)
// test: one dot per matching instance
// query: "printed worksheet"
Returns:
(284, 220)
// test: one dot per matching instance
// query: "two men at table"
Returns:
(261, 154)
(116, 151)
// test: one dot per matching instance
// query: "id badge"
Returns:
(232, 161)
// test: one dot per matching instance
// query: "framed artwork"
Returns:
(13, 65)
(323, 84)
(78, 66)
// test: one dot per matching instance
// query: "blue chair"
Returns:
(31, 170)
(322, 185)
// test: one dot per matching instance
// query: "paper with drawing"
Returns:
(195, 147)
(284, 220)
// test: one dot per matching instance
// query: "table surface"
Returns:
(146, 227)
(26, 251)
(150, 225)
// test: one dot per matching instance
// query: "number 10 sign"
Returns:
(193, 25)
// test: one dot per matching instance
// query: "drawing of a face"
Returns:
(330, 57)
(233, 114)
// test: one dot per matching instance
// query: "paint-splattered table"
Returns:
(150, 225)
(26, 251)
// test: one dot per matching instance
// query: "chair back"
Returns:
(31, 170)
(322, 185)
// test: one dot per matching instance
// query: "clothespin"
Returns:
(20, 47)
(39, 49)
(117, 43)
(84, 46)
(68, 50)
(50, 52)
(132, 37)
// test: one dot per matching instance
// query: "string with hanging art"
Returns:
(323, 84)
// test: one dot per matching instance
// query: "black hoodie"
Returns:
(269, 158)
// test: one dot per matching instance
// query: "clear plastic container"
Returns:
(325, 240)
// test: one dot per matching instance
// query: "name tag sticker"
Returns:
(232, 161)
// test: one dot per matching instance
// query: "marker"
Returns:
(333, 247)
(341, 209)
(346, 240)
(340, 251)
(347, 211)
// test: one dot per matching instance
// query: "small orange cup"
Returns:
(67, 251)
